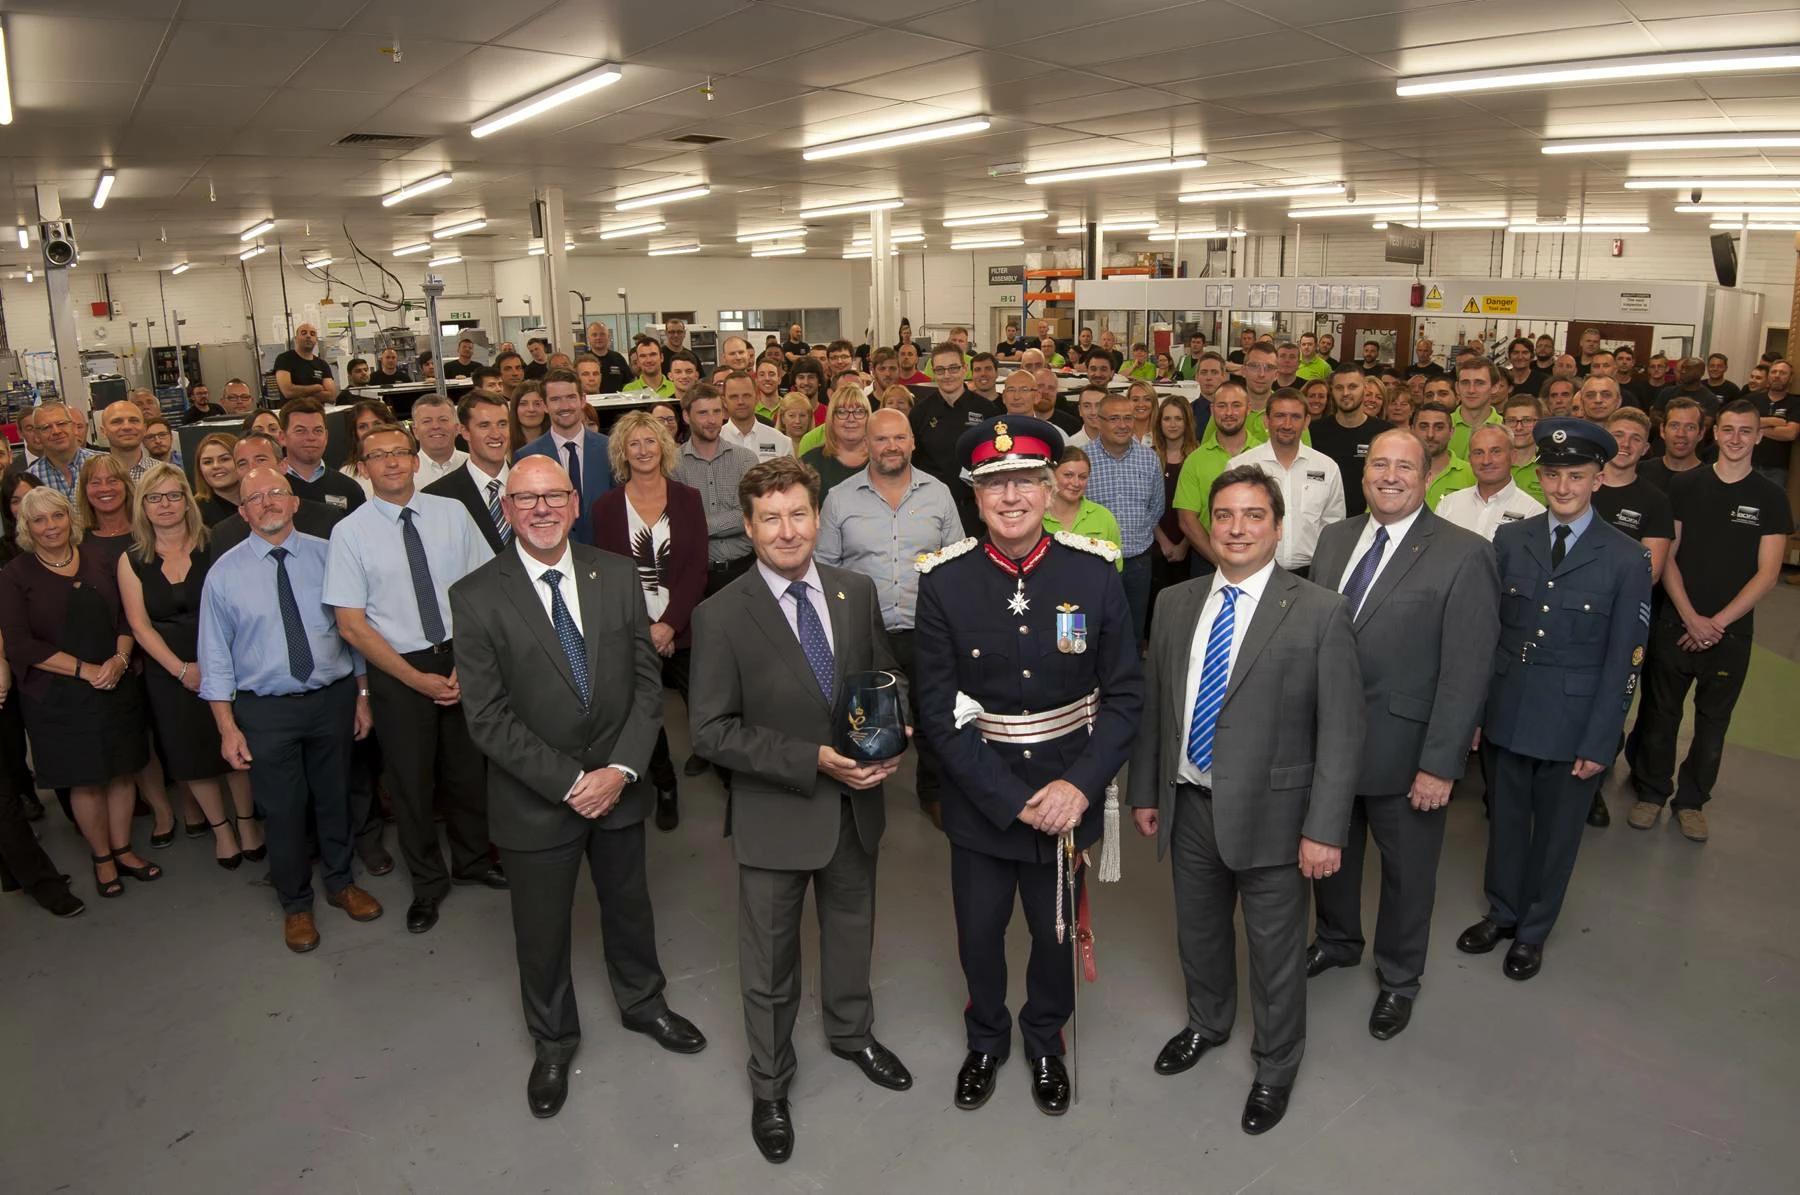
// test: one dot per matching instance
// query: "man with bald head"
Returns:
(301, 372)
(237, 400)
(615, 370)
(1019, 395)
(1495, 498)
(60, 432)
(1424, 599)
(122, 426)
(259, 451)
(878, 523)
(1599, 394)
(146, 402)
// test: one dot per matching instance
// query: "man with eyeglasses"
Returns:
(581, 453)
(1126, 478)
(256, 450)
(939, 421)
(59, 463)
(278, 676)
(200, 405)
(1520, 416)
(159, 443)
(390, 568)
(304, 435)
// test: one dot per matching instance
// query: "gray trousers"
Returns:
(770, 906)
(1274, 901)
(1410, 841)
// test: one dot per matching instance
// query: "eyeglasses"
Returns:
(554, 499)
(170, 498)
(852, 413)
(264, 497)
(999, 485)
(388, 454)
(1526, 421)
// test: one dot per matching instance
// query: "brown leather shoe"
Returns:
(300, 932)
(354, 901)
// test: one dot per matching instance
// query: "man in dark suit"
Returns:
(480, 484)
(1424, 600)
(580, 452)
(562, 690)
(1253, 723)
(1574, 615)
(771, 652)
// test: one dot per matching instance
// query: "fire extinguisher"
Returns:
(1418, 294)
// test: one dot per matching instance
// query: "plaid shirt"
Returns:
(1131, 487)
(50, 475)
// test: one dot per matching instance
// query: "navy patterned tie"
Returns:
(300, 657)
(502, 528)
(431, 618)
(567, 634)
(1363, 575)
(574, 469)
(813, 641)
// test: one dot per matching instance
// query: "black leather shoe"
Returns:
(1483, 936)
(547, 1088)
(377, 862)
(488, 877)
(673, 1032)
(975, 1081)
(1049, 1085)
(1524, 960)
(1318, 962)
(880, 1065)
(1265, 1107)
(1598, 814)
(1181, 1052)
(57, 899)
(1389, 1016)
(694, 766)
(668, 813)
(421, 915)
(772, 1127)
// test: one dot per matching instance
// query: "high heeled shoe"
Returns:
(230, 862)
(257, 854)
(107, 888)
(144, 874)
(167, 837)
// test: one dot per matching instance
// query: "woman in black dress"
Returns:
(216, 478)
(13, 762)
(160, 579)
(68, 644)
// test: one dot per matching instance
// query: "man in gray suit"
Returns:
(1424, 598)
(771, 652)
(563, 694)
(1247, 766)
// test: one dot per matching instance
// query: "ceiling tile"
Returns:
(747, 38)
(1294, 51)
(994, 23)
(461, 20)
(985, 73)
(275, 14)
(876, 52)
(1190, 27)
(318, 111)
(236, 54)
(38, 48)
(622, 32)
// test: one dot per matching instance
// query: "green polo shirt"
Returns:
(1312, 370)
(1458, 476)
(1202, 466)
(1094, 521)
(666, 390)
(1526, 477)
(1145, 372)
(811, 440)
(1460, 431)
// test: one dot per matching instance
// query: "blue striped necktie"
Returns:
(1214, 672)
(502, 528)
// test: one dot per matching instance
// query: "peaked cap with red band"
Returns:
(1008, 442)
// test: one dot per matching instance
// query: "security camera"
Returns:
(1694, 195)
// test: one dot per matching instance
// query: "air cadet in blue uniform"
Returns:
(1029, 685)
(1574, 614)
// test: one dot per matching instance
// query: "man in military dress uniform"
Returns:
(1029, 686)
(1574, 614)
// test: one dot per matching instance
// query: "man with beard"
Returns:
(1345, 436)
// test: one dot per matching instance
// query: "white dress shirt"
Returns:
(481, 479)
(430, 470)
(1250, 591)
(761, 441)
(1312, 489)
(560, 445)
(815, 593)
(1484, 516)
(1396, 536)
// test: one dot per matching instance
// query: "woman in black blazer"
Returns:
(660, 526)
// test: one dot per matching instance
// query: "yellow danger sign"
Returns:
(1434, 299)
(1471, 307)
(1491, 305)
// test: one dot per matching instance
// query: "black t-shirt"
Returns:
(1235, 357)
(211, 411)
(1700, 394)
(330, 487)
(535, 370)
(1725, 389)
(1533, 383)
(398, 377)
(1349, 447)
(302, 372)
(456, 369)
(1640, 510)
(1775, 454)
(1722, 528)
(936, 427)
(1658, 475)
(615, 371)
(796, 348)
(1427, 371)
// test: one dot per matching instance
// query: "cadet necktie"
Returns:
(502, 528)
(1214, 672)
(574, 470)
(300, 657)
(1560, 548)
(813, 641)
(567, 634)
(1363, 575)
(431, 618)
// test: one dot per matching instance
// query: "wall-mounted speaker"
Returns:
(58, 237)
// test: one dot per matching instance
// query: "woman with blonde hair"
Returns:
(794, 418)
(216, 478)
(103, 506)
(1143, 398)
(845, 452)
(897, 398)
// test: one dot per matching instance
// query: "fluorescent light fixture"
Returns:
(1201, 234)
(253, 251)
(28, 273)
(24, 238)
(866, 254)
(1121, 226)
(180, 269)
(1360, 209)
(750, 238)
(983, 220)
(942, 130)
(413, 190)
(256, 230)
(1673, 141)
(456, 230)
(6, 111)
(899, 238)
(1772, 183)
(409, 250)
(1441, 224)
(1252, 194)
(661, 197)
(537, 248)
(779, 251)
(851, 209)
(675, 251)
(632, 230)
(316, 264)
(553, 97)
(991, 244)
(1755, 227)
(103, 188)
(1077, 174)
(435, 262)
(1739, 209)
(1603, 70)
(1575, 227)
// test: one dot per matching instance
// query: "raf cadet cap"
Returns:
(1008, 442)
(1566, 441)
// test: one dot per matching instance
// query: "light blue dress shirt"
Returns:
(1576, 529)
(1131, 487)
(243, 645)
(368, 570)
(859, 531)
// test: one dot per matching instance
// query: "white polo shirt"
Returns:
(761, 441)
(1470, 511)
(1312, 489)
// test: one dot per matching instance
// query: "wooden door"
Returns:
(1638, 336)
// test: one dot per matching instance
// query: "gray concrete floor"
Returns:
(166, 1042)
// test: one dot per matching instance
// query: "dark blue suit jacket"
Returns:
(596, 475)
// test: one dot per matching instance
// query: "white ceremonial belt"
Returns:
(1041, 727)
